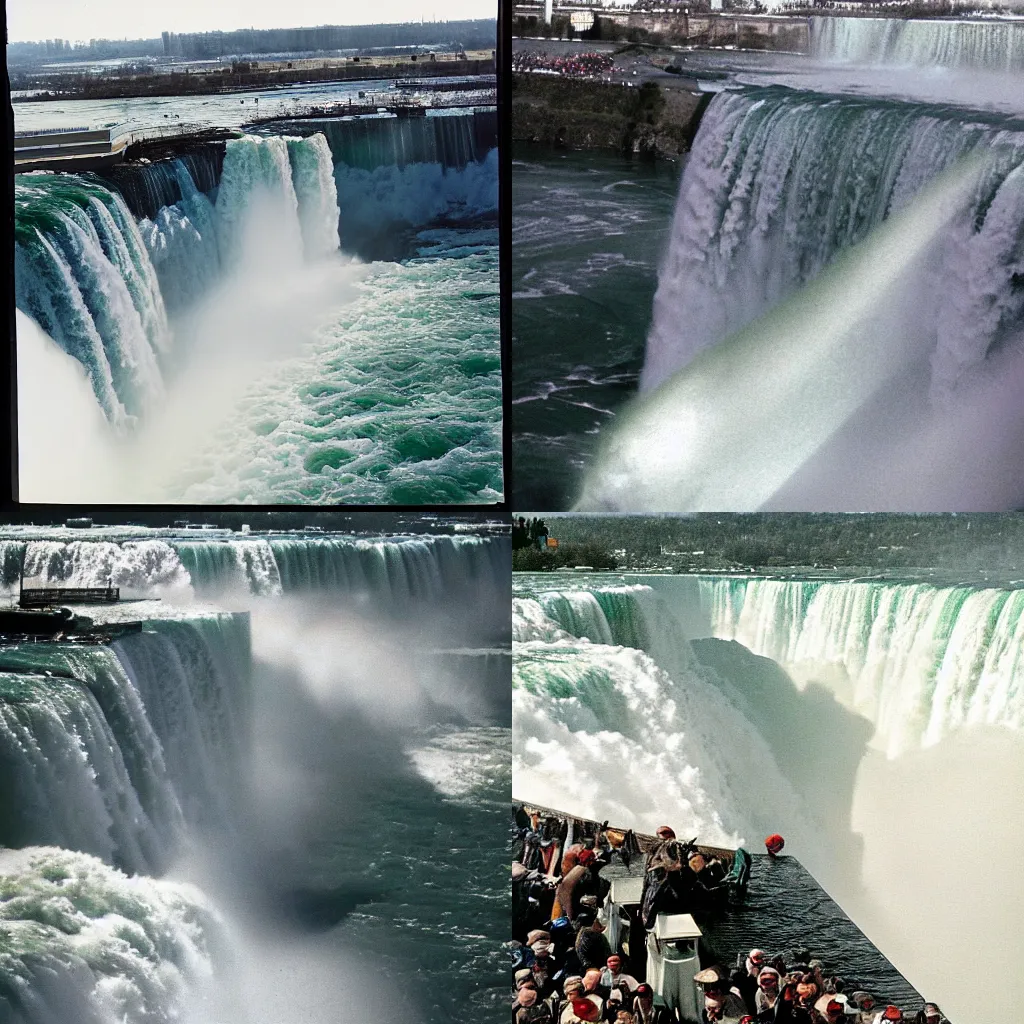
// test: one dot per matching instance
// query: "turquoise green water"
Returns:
(397, 400)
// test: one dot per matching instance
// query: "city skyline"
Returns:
(37, 20)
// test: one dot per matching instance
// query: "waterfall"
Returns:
(111, 750)
(862, 719)
(316, 194)
(181, 749)
(148, 188)
(392, 570)
(616, 732)
(451, 140)
(85, 943)
(100, 284)
(920, 661)
(980, 45)
(181, 239)
(82, 272)
(147, 566)
(780, 182)
(414, 195)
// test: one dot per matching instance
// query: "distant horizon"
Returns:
(35, 21)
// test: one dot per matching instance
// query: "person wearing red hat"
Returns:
(583, 1010)
(774, 844)
(644, 1010)
(890, 1013)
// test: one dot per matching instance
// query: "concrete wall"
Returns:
(751, 32)
(744, 31)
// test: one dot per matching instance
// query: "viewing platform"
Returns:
(70, 148)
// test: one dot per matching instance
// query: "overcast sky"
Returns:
(146, 19)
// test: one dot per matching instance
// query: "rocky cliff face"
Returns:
(649, 120)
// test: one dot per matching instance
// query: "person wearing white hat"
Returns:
(744, 978)
(768, 989)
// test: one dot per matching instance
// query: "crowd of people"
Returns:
(566, 971)
(574, 65)
(529, 533)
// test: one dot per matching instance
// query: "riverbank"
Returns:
(241, 78)
(569, 113)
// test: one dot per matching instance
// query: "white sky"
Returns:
(146, 19)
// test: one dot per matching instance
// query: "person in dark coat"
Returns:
(591, 945)
(744, 978)
(530, 1009)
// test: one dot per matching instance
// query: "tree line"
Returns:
(879, 541)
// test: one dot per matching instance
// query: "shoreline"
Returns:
(82, 87)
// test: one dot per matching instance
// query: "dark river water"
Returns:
(588, 234)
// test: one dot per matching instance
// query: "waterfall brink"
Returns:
(392, 571)
(780, 182)
(148, 188)
(143, 566)
(450, 140)
(920, 661)
(100, 285)
(110, 751)
(983, 46)
(82, 272)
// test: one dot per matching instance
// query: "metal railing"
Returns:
(43, 597)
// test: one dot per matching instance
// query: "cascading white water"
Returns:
(144, 751)
(981, 45)
(159, 751)
(81, 271)
(405, 568)
(85, 943)
(838, 323)
(316, 194)
(149, 566)
(920, 661)
(779, 182)
(377, 198)
(609, 733)
(256, 170)
(99, 284)
(891, 709)
(182, 244)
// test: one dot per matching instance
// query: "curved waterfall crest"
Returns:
(780, 182)
(980, 45)
(95, 280)
(919, 661)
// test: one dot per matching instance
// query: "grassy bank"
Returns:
(580, 114)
